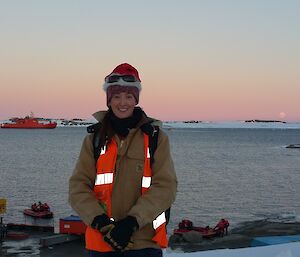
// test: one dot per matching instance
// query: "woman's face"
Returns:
(122, 104)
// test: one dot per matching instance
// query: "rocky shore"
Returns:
(31, 247)
(238, 237)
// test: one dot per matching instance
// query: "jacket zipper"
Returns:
(121, 144)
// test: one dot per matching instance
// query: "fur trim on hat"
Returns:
(121, 70)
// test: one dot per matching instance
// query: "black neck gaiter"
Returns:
(122, 126)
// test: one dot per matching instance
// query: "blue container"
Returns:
(274, 240)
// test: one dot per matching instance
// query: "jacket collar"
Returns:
(145, 119)
(99, 116)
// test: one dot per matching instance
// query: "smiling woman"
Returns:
(117, 188)
(122, 104)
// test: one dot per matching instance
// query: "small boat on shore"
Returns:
(40, 210)
(29, 122)
(207, 232)
(38, 214)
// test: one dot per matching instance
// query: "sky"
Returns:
(217, 60)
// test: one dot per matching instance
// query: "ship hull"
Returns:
(29, 126)
(29, 123)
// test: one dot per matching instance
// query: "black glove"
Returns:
(101, 221)
(120, 234)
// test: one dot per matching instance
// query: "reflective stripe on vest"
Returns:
(161, 219)
(159, 224)
(102, 179)
(103, 191)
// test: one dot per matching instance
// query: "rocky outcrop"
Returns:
(238, 237)
(266, 121)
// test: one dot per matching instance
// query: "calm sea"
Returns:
(240, 174)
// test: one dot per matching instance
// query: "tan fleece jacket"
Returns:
(126, 196)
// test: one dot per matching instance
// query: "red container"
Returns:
(72, 225)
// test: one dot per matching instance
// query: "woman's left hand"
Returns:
(121, 232)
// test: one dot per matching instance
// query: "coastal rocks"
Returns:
(267, 228)
(293, 146)
(266, 121)
(238, 237)
(192, 121)
(194, 243)
(192, 237)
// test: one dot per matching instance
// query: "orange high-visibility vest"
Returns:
(103, 190)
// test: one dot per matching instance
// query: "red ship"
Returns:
(29, 122)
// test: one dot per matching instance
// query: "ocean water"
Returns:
(238, 174)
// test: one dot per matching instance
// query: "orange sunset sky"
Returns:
(201, 60)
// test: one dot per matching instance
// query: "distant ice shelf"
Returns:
(191, 124)
(231, 124)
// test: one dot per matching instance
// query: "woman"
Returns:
(120, 187)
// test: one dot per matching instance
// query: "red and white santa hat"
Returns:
(124, 78)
